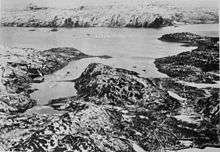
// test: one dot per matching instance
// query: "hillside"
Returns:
(110, 14)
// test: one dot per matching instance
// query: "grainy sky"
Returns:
(19, 4)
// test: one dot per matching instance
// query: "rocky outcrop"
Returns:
(87, 129)
(205, 101)
(190, 39)
(184, 37)
(114, 110)
(105, 116)
(145, 100)
(20, 67)
(121, 87)
(198, 106)
(145, 15)
(192, 66)
(97, 120)
(210, 107)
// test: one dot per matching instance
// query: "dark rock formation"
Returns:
(106, 118)
(186, 92)
(20, 67)
(54, 30)
(160, 22)
(210, 107)
(121, 87)
(190, 39)
(57, 58)
(86, 129)
(115, 110)
(184, 37)
(193, 65)
(199, 105)
(142, 107)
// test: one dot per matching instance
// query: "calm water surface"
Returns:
(117, 42)
(132, 49)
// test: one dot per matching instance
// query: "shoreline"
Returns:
(109, 99)
(28, 66)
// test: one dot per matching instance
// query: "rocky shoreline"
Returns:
(21, 67)
(146, 15)
(115, 109)
(195, 65)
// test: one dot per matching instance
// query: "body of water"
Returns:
(131, 48)
(116, 42)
